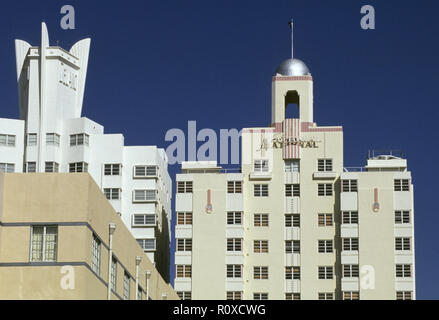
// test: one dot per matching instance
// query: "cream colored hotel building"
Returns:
(292, 222)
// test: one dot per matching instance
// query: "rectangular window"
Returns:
(7, 167)
(112, 169)
(325, 189)
(184, 218)
(350, 217)
(184, 244)
(184, 295)
(31, 167)
(184, 187)
(183, 270)
(401, 185)
(326, 296)
(260, 273)
(139, 293)
(325, 219)
(79, 139)
(261, 220)
(234, 244)
(292, 190)
(326, 272)
(147, 244)
(292, 166)
(44, 243)
(325, 246)
(324, 165)
(143, 171)
(402, 244)
(351, 295)
(96, 255)
(7, 140)
(113, 274)
(51, 167)
(292, 273)
(31, 139)
(78, 167)
(292, 246)
(112, 193)
(260, 190)
(144, 195)
(350, 271)
(234, 186)
(402, 217)
(350, 244)
(234, 271)
(147, 219)
(261, 165)
(126, 286)
(260, 246)
(292, 220)
(403, 295)
(292, 296)
(52, 139)
(349, 186)
(234, 218)
(234, 295)
(260, 296)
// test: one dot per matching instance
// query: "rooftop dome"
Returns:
(292, 67)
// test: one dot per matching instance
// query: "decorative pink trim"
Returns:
(248, 130)
(281, 78)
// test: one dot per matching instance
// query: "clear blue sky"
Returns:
(154, 65)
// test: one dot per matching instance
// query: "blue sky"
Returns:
(154, 65)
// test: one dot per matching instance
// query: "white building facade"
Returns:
(51, 136)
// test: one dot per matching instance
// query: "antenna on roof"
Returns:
(292, 43)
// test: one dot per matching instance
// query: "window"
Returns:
(326, 272)
(7, 167)
(234, 218)
(401, 217)
(52, 139)
(113, 273)
(234, 271)
(184, 187)
(234, 295)
(402, 244)
(351, 295)
(260, 296)
(184, 295)
(292, 190)
(325, 219)
(145, 171)
(234, 186)
(7, 140)
(184, 218)
(260, 246)
(324, 164)
(147, 244)
(349, 186)
(292, 296)
(112, 169)
(126, 286)
(350, 244)
(401, 185)
(144, 195)
(112, 193)
(403, 295)
(292, 246)
(31, 167)
(260, 273)
(234, 244)
(261, 220)
(261, 166)
(292, 220)
(350, 271)
(292, 273)
(51, 167)
(326, 296)
(350, 217)
(79, 139)
(261, 190)
(184, 244)
(96, 255)
(292, 166)
(44, 243)
(144, 220)
(31, 139)
(184, 270)
(325, 246)
(78, 167)
(325, 189)
(139, 293)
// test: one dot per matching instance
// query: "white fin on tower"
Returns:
(81, 51)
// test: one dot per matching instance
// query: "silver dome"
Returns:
(292, 67)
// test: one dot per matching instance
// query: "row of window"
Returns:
(140, 195)
(54, 139)
(261, 272)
